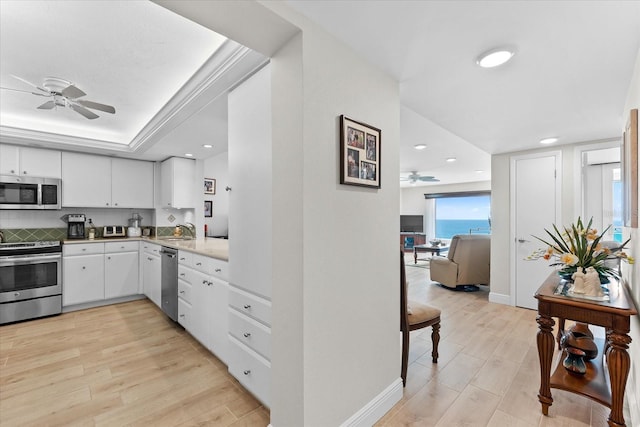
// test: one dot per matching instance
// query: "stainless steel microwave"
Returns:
(21, 192)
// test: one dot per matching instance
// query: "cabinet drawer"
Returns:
(83, 249)
(185, 273)
(151, 248)
(185, 258)
(201, 263)
(184, 314)
(184, 291)
(251, 305)
(250, 332)
(251, 370)
(219, 268)
(112, 247)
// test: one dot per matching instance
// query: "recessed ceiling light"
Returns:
(188, 154)
(495, 57)
(451, 159)
(548, 140)
(479, 171)
(420, 146)
(207, 146)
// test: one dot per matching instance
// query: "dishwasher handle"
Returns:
(169, 252)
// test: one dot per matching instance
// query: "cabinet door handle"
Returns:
(204, 282)
(181, 259)
(115, 204)
(227, 188)
(246, 334)
(84, 268)
(198, 263)
(84, 249)
(247, 306)
(182, 292)
(218, 270)
(13, 171)
(182, 315)
(107, 204)
(108, 257)
(150, 259)
(247, 372)
(24, 172)
(182, 274)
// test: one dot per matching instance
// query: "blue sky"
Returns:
(475, 207)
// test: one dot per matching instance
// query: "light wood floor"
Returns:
(123, 364)
(127, 364)
(488, 372)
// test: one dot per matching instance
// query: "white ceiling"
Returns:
(569, 77)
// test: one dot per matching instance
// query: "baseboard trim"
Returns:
(499, 298)
(93, 304)
(377, 407)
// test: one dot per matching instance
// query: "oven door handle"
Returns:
(12, 259)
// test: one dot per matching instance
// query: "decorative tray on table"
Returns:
(564, 289)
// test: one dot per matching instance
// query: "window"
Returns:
(461, 213)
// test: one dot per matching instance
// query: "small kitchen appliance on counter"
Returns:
(113, 231)
(75, 226)
(134, 226)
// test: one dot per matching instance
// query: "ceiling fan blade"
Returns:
(72, 92)
(97, 106)
(31, 84)
(25, 91)
(81, 110)
(47, 105)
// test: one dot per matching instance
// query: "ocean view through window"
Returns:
(462, 215)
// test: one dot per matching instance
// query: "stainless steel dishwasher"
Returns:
(169, 293)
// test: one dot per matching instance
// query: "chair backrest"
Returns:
(404, 320)
(463, 245)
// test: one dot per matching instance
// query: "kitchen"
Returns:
(86, 227)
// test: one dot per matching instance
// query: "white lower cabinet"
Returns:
(121, 271)
(83, 278)
(203, 301)
(250, 341)
(152, 272)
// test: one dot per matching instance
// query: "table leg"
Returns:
(560, 332)
(619, 364)
(545, 342)
(415, 255)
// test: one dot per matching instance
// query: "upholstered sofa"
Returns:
(466, 263)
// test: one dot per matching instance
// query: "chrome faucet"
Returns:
(190, 228)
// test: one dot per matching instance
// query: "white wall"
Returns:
(217, 167)
(331, 255)
(632, 272)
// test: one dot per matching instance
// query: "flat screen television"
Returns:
(411, 224)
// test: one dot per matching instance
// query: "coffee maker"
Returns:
(75, 228)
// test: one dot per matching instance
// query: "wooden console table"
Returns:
(614, 316)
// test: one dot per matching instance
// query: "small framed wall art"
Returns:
(208, 209)
(360, 161)
(209, 186)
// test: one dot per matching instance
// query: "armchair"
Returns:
(467, 262)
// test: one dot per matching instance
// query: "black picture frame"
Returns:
(360, 156)
(208, 208)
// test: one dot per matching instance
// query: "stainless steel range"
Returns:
(30, 280)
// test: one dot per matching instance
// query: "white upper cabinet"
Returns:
(86, 180)
(131, 183)
(27, 161)
(177, 177)
(98, 181)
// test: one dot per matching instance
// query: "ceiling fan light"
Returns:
(550, 140)
(420, 146)
(495, 57)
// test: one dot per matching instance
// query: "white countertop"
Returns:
(209, 246)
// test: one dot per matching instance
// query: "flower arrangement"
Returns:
(578, 247)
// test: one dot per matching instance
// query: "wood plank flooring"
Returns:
(124, 364)
(488, 371)
(127, 364)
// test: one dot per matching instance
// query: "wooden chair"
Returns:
(415, 315)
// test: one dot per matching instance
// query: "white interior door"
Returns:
(599, 200)
(535, 206)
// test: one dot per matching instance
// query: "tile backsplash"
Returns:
(14, 235)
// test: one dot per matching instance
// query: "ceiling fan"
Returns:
(64, 94)
(414, 177)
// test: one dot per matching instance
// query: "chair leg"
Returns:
(435, 339)
(405, 357)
